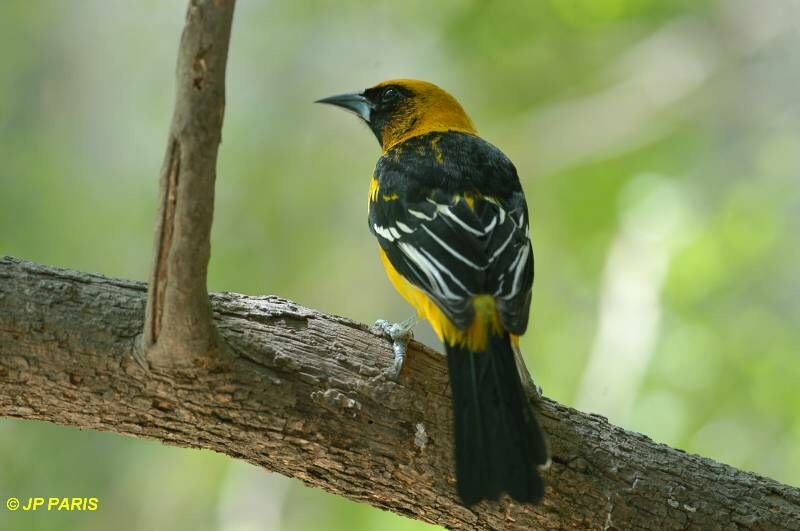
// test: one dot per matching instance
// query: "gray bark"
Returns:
(303, 394)
(178, 324)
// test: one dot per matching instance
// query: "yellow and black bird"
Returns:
(450, 215)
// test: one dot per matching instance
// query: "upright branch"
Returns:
(304, 393)
(178, 323)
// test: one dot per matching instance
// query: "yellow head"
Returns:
(399, 109)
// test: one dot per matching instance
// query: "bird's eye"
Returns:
(389, 95)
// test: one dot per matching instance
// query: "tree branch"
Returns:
(178, 323)
(304, 396)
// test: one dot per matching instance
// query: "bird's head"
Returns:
(399, 109)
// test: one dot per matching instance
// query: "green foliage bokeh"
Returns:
(658, 143)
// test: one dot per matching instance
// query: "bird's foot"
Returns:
(400, 334)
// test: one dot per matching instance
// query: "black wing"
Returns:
(451, 216)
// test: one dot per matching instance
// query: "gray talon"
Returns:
(400, 334)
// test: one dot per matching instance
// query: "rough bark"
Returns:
(178, 323)
(303, 395)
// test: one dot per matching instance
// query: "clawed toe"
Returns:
(400, 334)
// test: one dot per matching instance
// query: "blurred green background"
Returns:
(658, 142)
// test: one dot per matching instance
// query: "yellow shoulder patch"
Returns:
(468, 198)
(374, 187)
(437, 151)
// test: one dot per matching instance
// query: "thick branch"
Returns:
(178, 323)
(304, 396)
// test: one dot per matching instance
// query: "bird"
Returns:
(451, 220)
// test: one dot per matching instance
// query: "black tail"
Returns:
(498, 441)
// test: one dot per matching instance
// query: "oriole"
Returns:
(451, 219)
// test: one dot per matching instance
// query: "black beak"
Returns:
(354, 102)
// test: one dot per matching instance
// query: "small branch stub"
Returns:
(178, 325)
